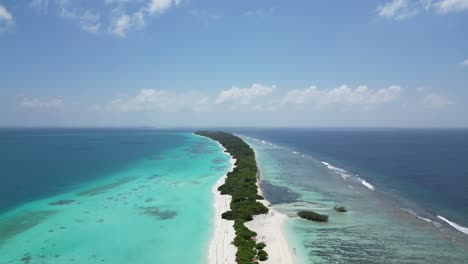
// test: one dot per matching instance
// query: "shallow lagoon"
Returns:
(153, 210)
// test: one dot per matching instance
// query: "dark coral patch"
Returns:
(14, 225)
(105, 188)
(218, 161)
(158, 213)
(157, 158)
(26, 259)
(62, 202)
(149, 200)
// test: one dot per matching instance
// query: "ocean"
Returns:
(406, 191)
(106, 195)
(84, 195)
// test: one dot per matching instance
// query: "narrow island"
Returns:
(241, 185)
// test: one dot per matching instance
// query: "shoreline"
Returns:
(269, 228)
(220, 249)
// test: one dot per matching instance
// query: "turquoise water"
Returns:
(155, 208)
(377, 229)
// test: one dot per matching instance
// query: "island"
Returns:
(313, 216)
(241, 185)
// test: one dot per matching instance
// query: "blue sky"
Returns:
(392, 63)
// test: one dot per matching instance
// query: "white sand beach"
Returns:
(268, 228)
(221, 251)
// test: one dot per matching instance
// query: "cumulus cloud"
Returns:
(123, 22)
(464, 63)
(6, 19)
(117, 17)
(344, 95)
(40, 6)
(265, 98)
(34, 103)
(89, 20)
(236, 95)
(205, 14)
(261, 12)
(159, 6)
(403, 9)
(448, 6)
(151, 100)
(436, 101)
(117, 1)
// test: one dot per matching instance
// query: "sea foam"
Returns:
(345, 175)
(458, 227)
(420, 217)
(368, 185)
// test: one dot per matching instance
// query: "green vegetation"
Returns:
(340, 209)
(313, 216)
(241, 185)
(260, 245)
(262, 255)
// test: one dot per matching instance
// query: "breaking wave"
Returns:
(346, 175)
(458, 227)
(427, 220)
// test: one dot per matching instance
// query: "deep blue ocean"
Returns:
(428, 167)
(39, 162)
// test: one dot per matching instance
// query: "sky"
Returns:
(254, 63)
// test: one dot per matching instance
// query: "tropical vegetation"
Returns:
(241, 185)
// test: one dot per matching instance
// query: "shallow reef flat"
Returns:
(135, 215)
(375, 229)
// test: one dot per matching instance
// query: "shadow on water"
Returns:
(16, 224)
(156, 158)
(61, 202)
(156, 212)
(104, 188)
(278, 194)
(219, 161)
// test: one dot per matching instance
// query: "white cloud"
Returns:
(436, 101)
(34, 103)
(202, 13)
(152, 100)
(362, 95)
(6, 19)
(403, 9)
(89, 21)
(118, 17)
(237, 95)
(262, 12)
(262, 98)
(464, 63)
(159, 6)
(118, 1)
(123, 22)
(120, 25)
(448, 6)
(40, 6)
